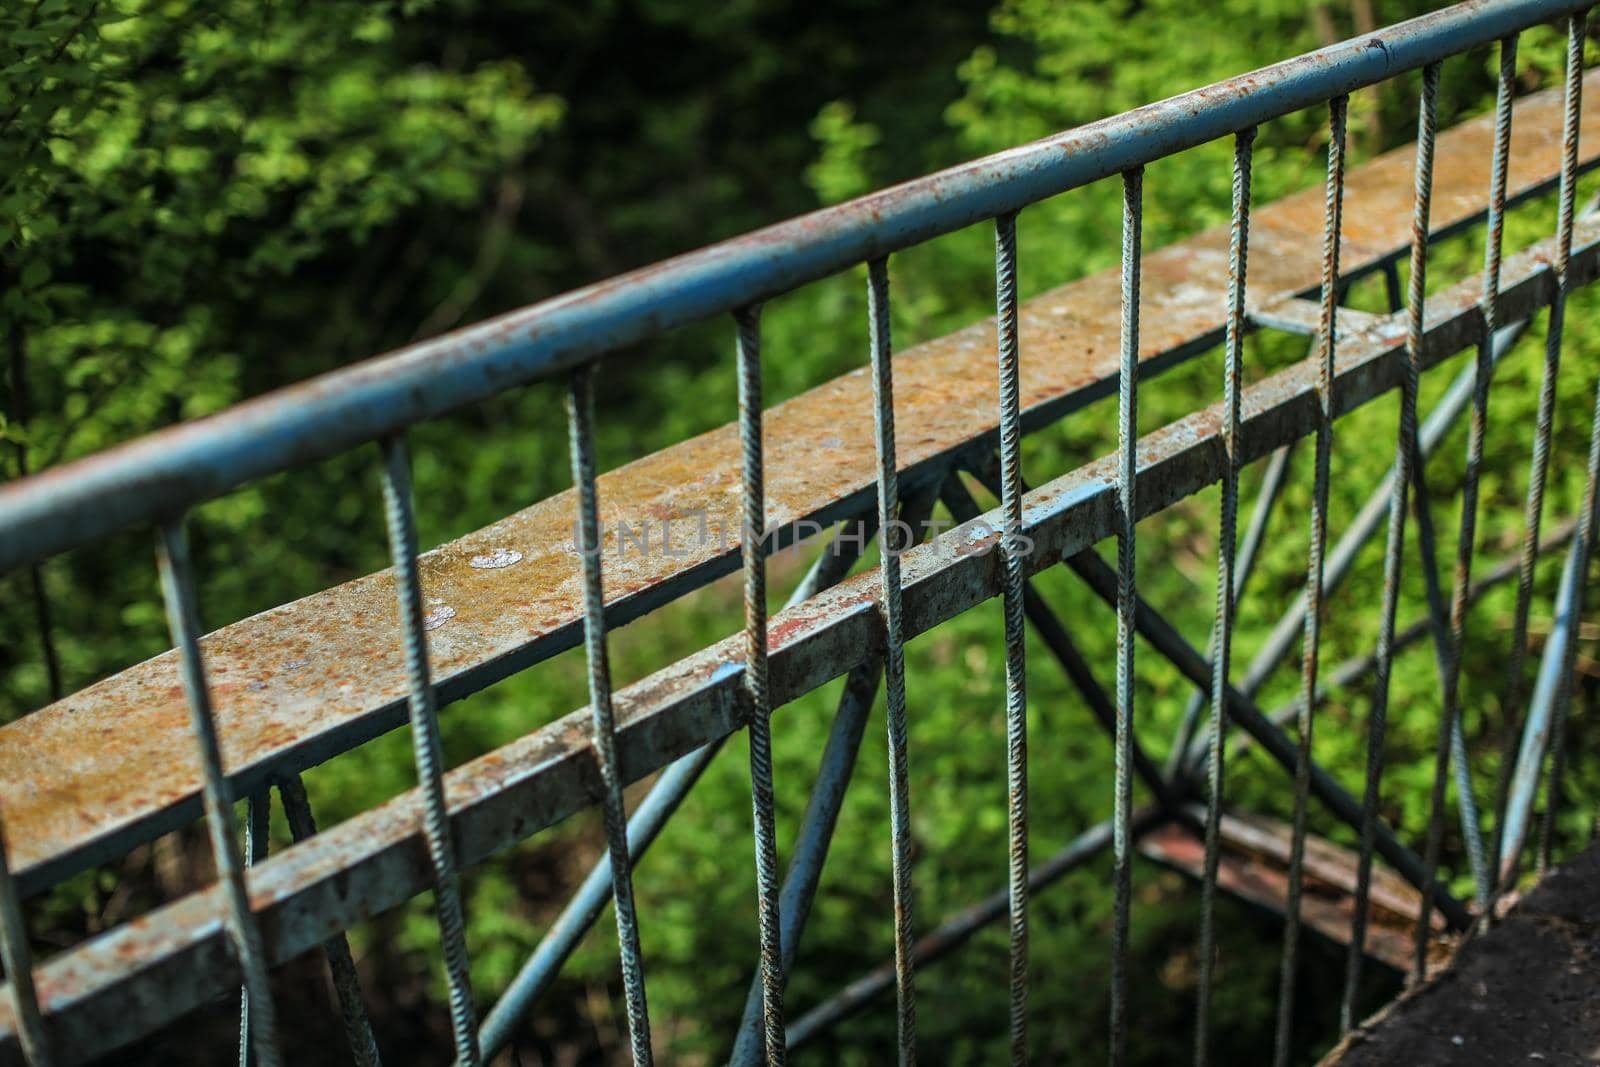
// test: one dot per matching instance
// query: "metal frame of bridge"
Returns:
(254, 705)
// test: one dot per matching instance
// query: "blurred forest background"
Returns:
(202, 200)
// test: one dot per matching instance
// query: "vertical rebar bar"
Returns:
(1586, 519)
(1238, 256)
(649, 817)
(1466, 543)
(1333, 210)
(17, 957)
(1127, 466)
(753, 543)
(1053, 634)
(1405, 451)
(341, 964)
(1505, 868)
(1582, 550)
(257, 823)
(427, 752)
(1011, 561)
(817, 825)
(894, 661)
(183, 618)
(602, 722)
(1273, 480)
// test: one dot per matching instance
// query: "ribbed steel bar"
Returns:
(1439, 613)
(894, 661)
(1368, 522)
(1227, 546)
(1327, 340)
(183, 618)
(647, 821)
(1538, 724)
(822, 810)
(1540, 461)
(17, 957)
(1466, 544)
(959, 928)
(50, 514)
(602, 723)
(1011, 562)
(367, 865)
(427, 753)
(1370, 517)
(341, 964)
(1342, 558)
(1273, 479)
(1355, 668)
(257, 823)
(1048, 628)
(1166, 640)
(753, 544)
(1406, 451)
(1583, 550)
(1127, 591)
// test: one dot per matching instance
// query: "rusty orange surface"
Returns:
(119, 755)
(1253, 864)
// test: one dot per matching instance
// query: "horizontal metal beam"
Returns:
(147, 972)
(163, 475)
(282, 706)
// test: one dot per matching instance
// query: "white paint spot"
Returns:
(500, 557)
(438, 617)
(296, 664)
(257, 686)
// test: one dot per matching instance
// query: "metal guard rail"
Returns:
(132, 979)
(149, 480)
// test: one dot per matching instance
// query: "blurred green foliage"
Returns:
(201, 200)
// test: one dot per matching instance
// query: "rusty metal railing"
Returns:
(97, 996)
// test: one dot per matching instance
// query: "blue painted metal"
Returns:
(17, 957)
(822, 812)
(894, 685)
(244, 930)
(1126, 600)
(427, 749)
(179, 958)
(1227, 551)
(648, 818)
(757, 693)
(602, 724)
(1451, 732)
(1537, 727)
(1406, 453)
(341, 964)
(162, 474)
(1540, 459)
(1010, 383)
(1333, 207)
(158, 477)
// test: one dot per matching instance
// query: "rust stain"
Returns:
(1253, 865)
(121, 749)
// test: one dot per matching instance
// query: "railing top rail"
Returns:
(164, 473)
